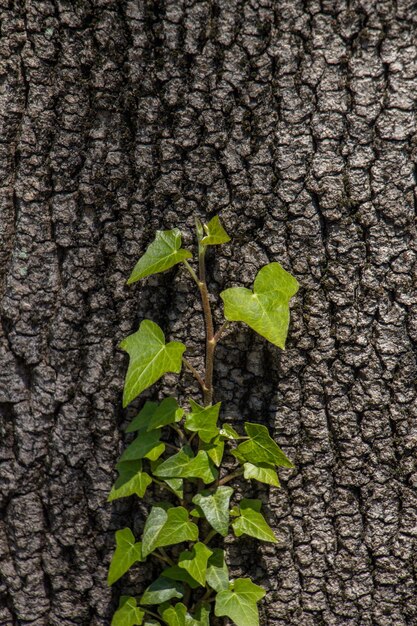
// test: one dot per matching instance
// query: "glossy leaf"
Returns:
(214, 449)
(239, 602)
(141, 420)
(263, 472)
(150, 358)
(217, 571)
(162, 254)
(266, 308)
(215, 506)
(127, 552)
(229, 432)
(194, 562)
(162, 590)
(167, 526)
(203, 420)
(185, 465)
(132, 480)
(251, 522)
(261, 448)
(176, 484)
(146, 445)
(128, 613)
(215, 233)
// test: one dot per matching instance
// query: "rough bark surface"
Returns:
(296, 120)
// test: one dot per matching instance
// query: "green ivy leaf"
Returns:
(229, 432)
(202, 615)
(261, 448)
(162, 590)
(177, 615)
(266, 308)
(162, 254)
(167, 526)
(239, 602)
(128, 613)
(126, 554)
(166, 413)
(214, 449)
(251, 522)
(215, 506)
(146, 445)
(176, 573)
(177, 486)
(263, 472)
(141, 420)
(150, 358)
(217, 571)
(203, 420)
(194, 562)
(215, 233)
(185, 465)
(131, 481)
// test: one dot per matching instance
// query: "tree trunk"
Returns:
(294, 120)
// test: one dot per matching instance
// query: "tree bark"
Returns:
(294, 120)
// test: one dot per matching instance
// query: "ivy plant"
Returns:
(179, 450)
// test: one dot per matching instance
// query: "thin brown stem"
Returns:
(208, 320)
(194, 372)
(230, 477)
(220, 332)
(192, 272)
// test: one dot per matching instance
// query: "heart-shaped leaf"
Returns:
(203, 420)
(217, 571)
(251, 522)
(185, 465)
(131, 481)
(146, 445)
(215, 233)
(263, 472)
(266, 308)
(162, 590)
(215, 507)
(239, 602)
(214, 449)
(128, 613)
(194, 562)
(260, 448)
(167, 526)
(127, 552)
(177, 615)
(150, 358)
(162, 254)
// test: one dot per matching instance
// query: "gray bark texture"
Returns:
(296, 120)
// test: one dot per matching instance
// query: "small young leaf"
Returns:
(177, 486)
(167, 526)
(162, 590)
(214, 449)
(263, 472)
(126, 554)
(185, 465)
(162, 254)
(215, 233)
(252, 523)
(261, 448)
(141, 420)
(195, 562)
(239, 602)
(229, 432)
(128, 613)
(217, 571)
(215, 507)
(146, 445)
(176, 573)
(150, 358)
(166, 413)
(203, 420)
(131, 481)
(177, 615)
(266, 308)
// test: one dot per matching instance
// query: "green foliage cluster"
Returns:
(181, 450)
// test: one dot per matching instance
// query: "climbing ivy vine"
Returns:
(181, 450)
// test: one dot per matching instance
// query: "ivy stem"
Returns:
(194, 372)
(220, 332)
(148, 612)
(208, 320)
(166, 557)
(192, 272)
(230, 477)
(210, 536)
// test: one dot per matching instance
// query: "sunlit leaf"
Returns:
(266, 308)
(127, 552)
(203, 420)
(261, 448)
(162, 254)
(240, 602)
(128, 613)
(161, 590)
(177, 616)
(214, 449)
(251, 522)
(167, 526)
(150, 358)
(215, 233)
(217, 571)
(229, 432)
(185, 465)
(194, 562)
(215, 506)
(132, 480)
(263, 472)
